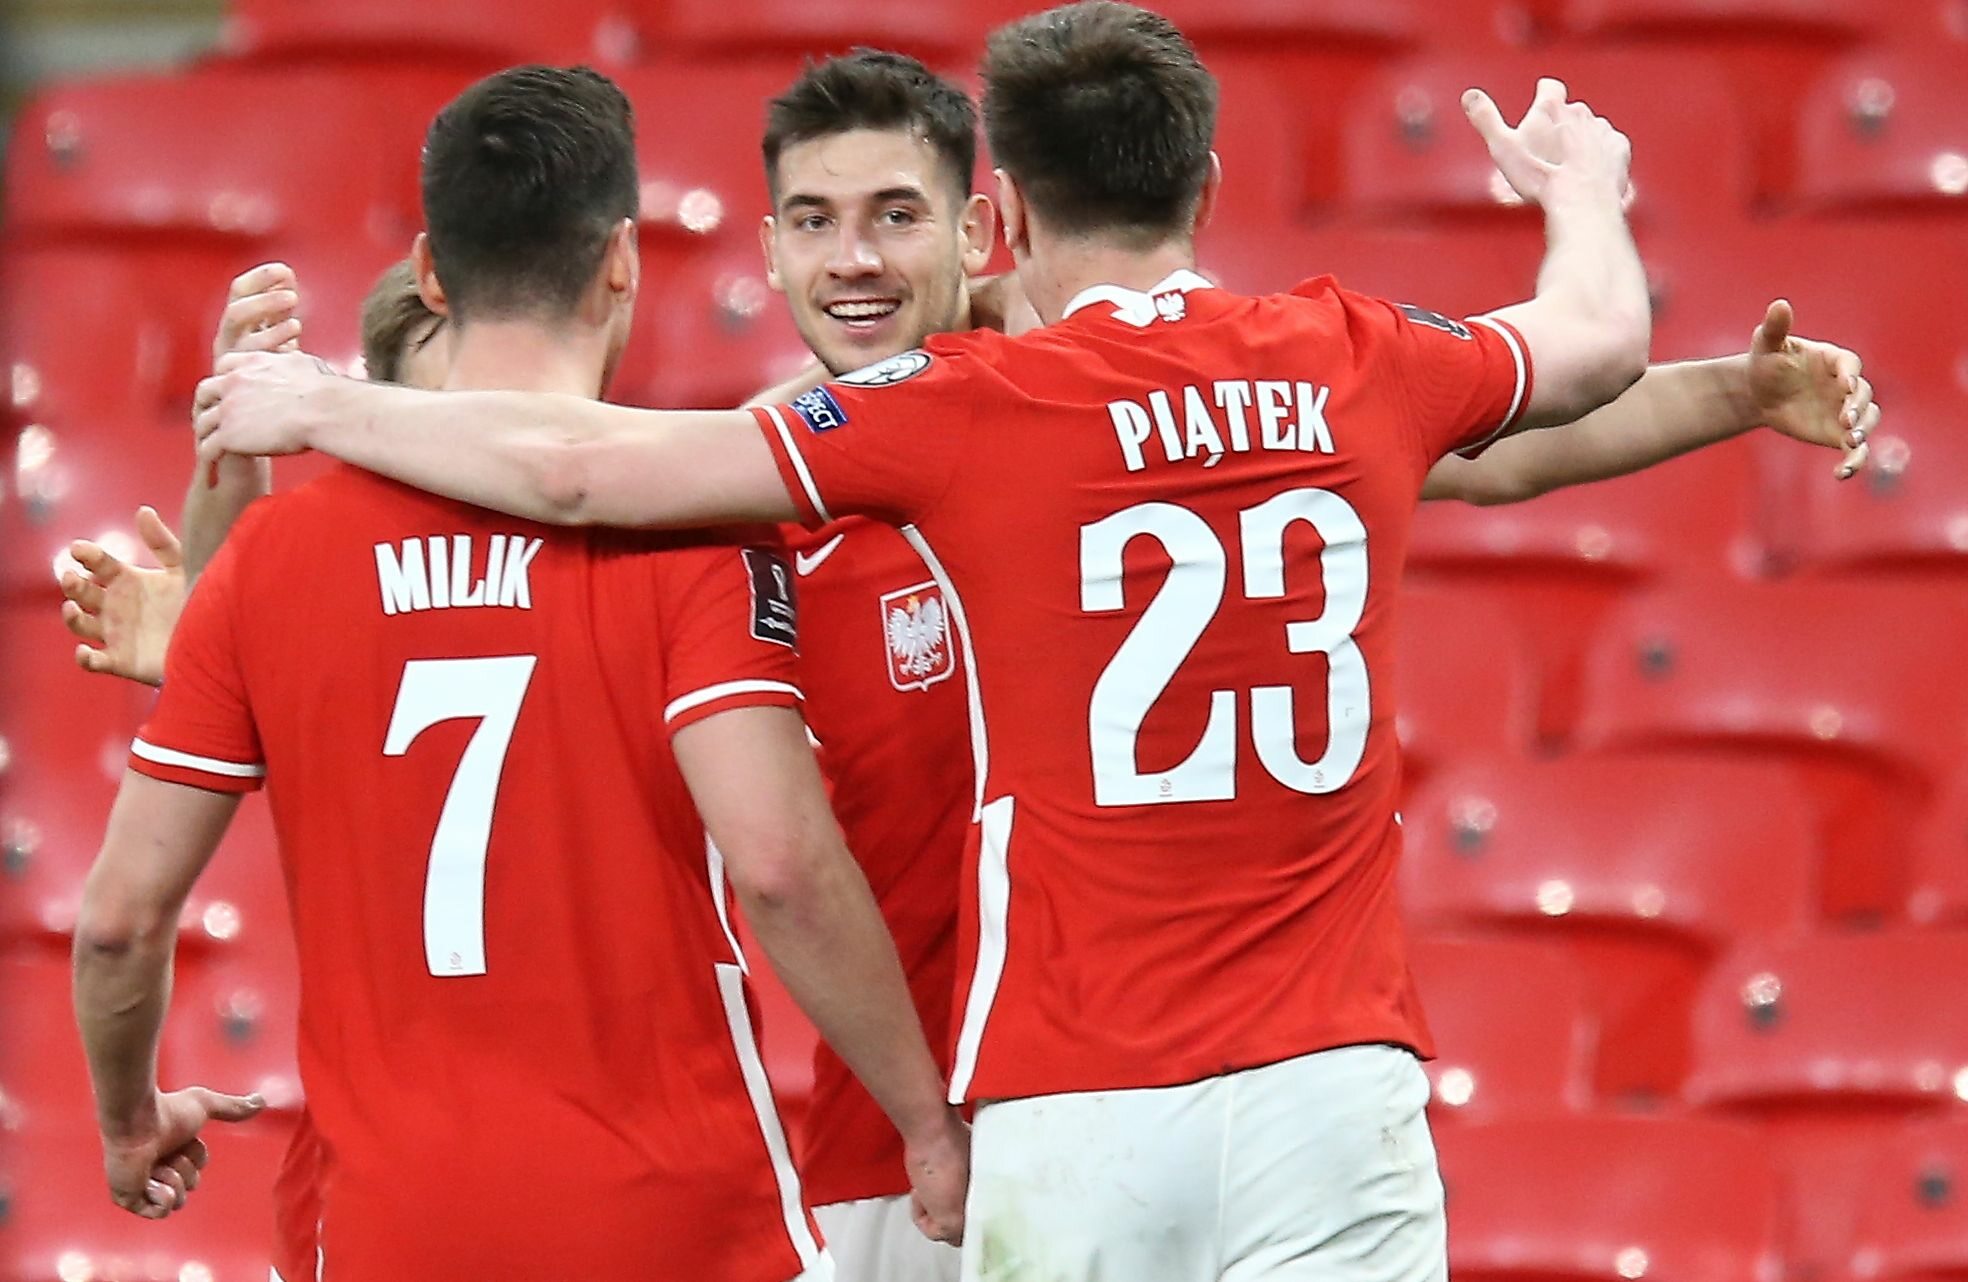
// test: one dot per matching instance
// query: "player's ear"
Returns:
(1212, 187)
(769, 246)
(624, 261)
(1011, 208)
(428, 286)
(980, 231)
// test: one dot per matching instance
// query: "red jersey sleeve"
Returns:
(201, 733)
(1465, 383)
(881, 441)
(732, 623)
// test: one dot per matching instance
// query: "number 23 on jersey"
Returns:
(1188, 600)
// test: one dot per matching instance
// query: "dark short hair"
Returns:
(525, 176)
(874, 89)
(1104, 115)
(392, 316)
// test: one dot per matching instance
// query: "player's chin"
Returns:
(850, 345)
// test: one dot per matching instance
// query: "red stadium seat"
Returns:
(476, 34)
(1913, 1211)
(1563, 559)
(1408, 152)
(1457, 275)
(61, 1224)
(83, 338)
(1940, 859)
(1852, 686)
(710, 334)
(1887, 128)
(703, 181)
(233, 1027)
(1642, 869)
(794, 29)
(1466, 686)
(1608, 1198)
(1513, 1036)
(1772, 50)
(180, 158)
(44, 1077)
(1830, 1042)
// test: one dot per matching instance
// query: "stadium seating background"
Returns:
(1688, 827)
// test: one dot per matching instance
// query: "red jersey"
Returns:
(1169, 532)
(523, 1028)
(885, 700)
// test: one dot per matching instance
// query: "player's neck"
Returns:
(1054, 279)
(495, 357)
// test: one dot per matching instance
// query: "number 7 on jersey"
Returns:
(434, 691)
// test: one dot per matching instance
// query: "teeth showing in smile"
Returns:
(870, 310)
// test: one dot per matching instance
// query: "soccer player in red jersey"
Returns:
(576, 983)
(1176, 518)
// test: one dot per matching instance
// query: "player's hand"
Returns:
(259, 314)
(123, 613)
(153, 1171)
(999, 302)
(260, 403)
(939, 1179)
(1810, 391)
(1558, 146)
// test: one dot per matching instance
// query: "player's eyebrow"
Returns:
(800, 200)
(889, 195)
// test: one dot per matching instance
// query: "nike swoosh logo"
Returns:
(808, 564)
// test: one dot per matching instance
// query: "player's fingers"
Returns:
(181, 1165)
(1854, 462)
(84, 592)
(98, 560)
(166, 1188)
(261, 279)
(227, 1108)
(1483, 114)
(90, 659)
(270, 338)
(157, 536)
(1856, 403)
(1774, 331)
(86, 626)
(1551, 93)
(199, 1154)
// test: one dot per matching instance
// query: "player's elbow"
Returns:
(563, 478)
(781, 874)
(110, 925)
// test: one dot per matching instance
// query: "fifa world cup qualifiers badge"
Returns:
(820, 410)
(1435, 320)
(775, 613)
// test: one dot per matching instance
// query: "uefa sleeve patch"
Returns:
(819, 409)
(899, 368)
(1435, 320)
(775, 609)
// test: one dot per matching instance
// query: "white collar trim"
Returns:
(1132, 305)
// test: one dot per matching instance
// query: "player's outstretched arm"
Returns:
(159, 839)
(1590, 324)
(124, 614)
(1808, 390)
(753, 777)
(259, 316)
(565, 460)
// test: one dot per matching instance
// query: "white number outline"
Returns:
(434, 691)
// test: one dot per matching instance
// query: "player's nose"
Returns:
(854, 256)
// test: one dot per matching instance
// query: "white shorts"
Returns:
(1316, 1169)
(875, 1240)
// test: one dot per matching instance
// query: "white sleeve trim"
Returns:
(1523, 377)
(210, 765)
(799, 465)
(724, 689)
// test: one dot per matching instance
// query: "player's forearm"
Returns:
(122, 965)
(1591, 323)
(825, 938)
(218, 494)
(810, 376)
(1672, 410)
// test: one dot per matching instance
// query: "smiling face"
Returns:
(871, 243)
